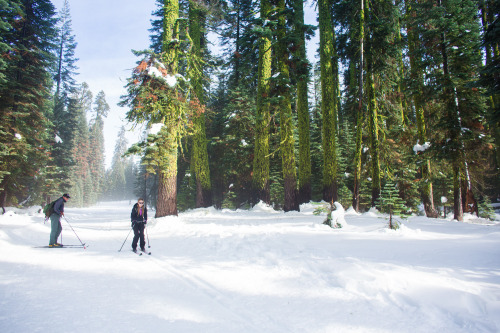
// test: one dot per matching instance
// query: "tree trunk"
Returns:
(200, 154)
(305, 192)
(360, 113)
(286, 121)
(260, 177)
(373, 124)
(3, 197)
(454, 133)
(328, 101)
(458, 213)
(416, 75)
(166, 204)
(374, 141)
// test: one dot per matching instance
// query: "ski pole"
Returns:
(125, 240)
(147, 236)
(83, 244)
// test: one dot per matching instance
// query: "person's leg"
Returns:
(59, 229)
(143, 242)
(136, 237)
(54, 227)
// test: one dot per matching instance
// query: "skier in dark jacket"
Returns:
(55, 220)
(139, 218)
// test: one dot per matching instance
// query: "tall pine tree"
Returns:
(287, 141)
(329, 101)
(197, 23)
(97, 151)
(24, 97)
(260, 177)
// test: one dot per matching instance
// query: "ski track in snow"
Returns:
(249, 271)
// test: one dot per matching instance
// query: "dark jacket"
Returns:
(135, 217)
(59, 206)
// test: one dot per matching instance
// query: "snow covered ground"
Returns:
(249, 271)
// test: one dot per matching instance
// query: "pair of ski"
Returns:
(141, 252)
(70, 246)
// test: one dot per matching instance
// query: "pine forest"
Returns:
(399, 109)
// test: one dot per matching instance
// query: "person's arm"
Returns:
(133, 214)
(132, 217)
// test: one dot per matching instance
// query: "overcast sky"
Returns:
(106, 31)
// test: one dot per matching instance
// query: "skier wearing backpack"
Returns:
(139, 217)
(55, 220)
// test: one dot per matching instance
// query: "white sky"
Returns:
(106, 32)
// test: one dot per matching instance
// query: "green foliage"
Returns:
(231, 148)
(261, 172)
(329, 100)
(27, 39)
(486, 209)
(390, 203)
(64, 76)
(327, 209)
(186, 195)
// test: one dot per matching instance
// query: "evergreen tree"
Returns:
(316, 125)
(389, 202)
(450, 30)
(66, 108)
(24, 97)
(217, 149)
(66, 45)
(285, 110)
(236, 145)
(157, 96)
(200, 155)
(490, 79)
(233, 107)
(117, 179)
(97, 157)
(146, 185)
(301, 65)
(416, 75)
(357, 80)
(372, 106)
(329, 102)
(80, 179)
(8, 9)
(486, 209)
(260, 177)
(238, 40)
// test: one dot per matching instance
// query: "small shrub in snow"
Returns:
(332, 220)
(389, 202)
(486, 209)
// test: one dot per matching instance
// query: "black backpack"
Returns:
(48, 209)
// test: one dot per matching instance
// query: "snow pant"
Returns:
(138, 234)
(55, 228)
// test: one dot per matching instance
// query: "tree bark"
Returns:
(360, 113)
(329, 101)
(305, 192)
(200, 154)
(260, 177)
(286, 123)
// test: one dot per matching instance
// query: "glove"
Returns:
(145, 221)
(132, 224)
